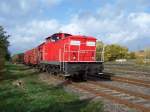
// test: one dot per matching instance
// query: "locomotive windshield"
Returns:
(59, 36)
(55, 38)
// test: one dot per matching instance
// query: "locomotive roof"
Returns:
(79, 36)
(67, 34)
(58, 34)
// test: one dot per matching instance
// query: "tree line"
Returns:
(113, 52)
(4, 44)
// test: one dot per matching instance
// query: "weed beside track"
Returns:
(22, 91)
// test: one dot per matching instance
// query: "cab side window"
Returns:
(55, 38)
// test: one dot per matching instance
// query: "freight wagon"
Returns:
(17, 58)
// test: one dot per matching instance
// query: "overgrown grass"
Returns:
(37, 96)
(142, 62)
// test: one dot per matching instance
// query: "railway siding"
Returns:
(130, 99)
(120, 90)
(132, 81)
(115, 99)
(121, 96)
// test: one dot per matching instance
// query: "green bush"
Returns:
(142, 61)
(4, 53)
(113, 51)
(139, 61)
(2, 62)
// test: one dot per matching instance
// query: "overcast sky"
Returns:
(126, 22)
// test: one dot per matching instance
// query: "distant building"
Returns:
(140, 53)
(121, 60)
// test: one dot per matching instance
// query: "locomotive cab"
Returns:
(79, 57)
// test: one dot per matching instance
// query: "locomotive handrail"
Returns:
(62, 59)
(80, 51)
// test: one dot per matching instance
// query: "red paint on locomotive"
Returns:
(63, 47)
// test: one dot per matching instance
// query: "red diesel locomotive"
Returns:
(70, 55)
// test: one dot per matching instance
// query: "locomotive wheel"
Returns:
(52, 70)
(49, 70)
(55, 70)
(77, 77)
(84, 77)
(55, 73)
(37, 68)
(44, 68)
(40, 68)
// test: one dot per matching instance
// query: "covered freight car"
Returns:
(31, 57)
(71, 55)
(18, 58)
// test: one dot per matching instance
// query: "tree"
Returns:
(131, 55)
(99, 49)
(115, 51)
(147, 53)
(4, 43)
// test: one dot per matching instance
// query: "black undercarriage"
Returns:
(75, 70)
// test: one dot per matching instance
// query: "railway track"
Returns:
(104, 85)
(123, 70)
(117, 95)
(144, 69)
(108, 92)
(136, 82)
(131, 81)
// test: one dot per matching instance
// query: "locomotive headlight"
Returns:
(74, 58)
(89, 43)
(93, 58)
